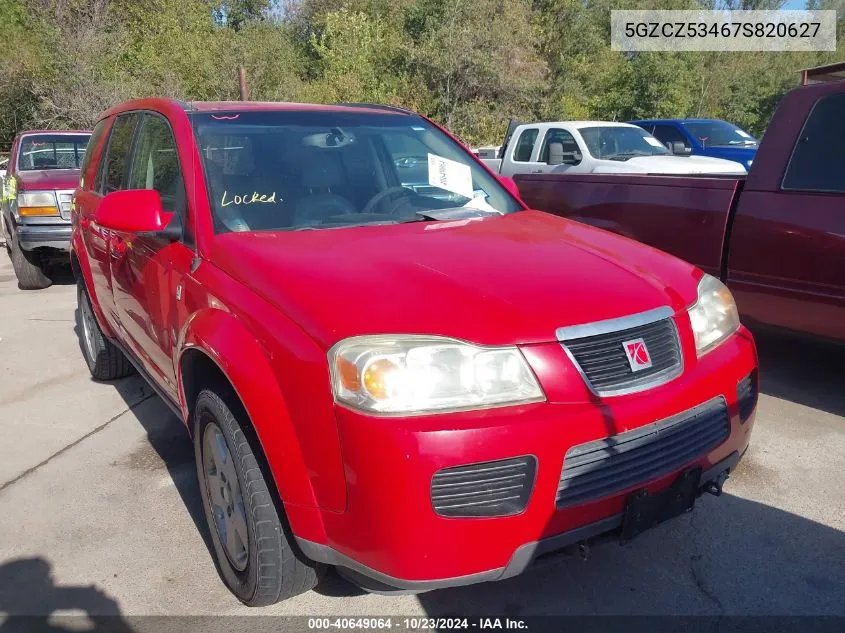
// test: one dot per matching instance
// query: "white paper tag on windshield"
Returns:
(450, 175)
(743, 134)
(654, 142)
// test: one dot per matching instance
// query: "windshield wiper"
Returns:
(452, 213)
(626, 155)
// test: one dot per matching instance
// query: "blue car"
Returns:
(703, 137)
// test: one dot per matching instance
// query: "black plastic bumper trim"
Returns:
(378, 582)
(34, 235)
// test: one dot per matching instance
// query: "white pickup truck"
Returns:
(601, 147)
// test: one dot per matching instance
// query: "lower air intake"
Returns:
(486, 489)
(746, 394)
(601, 468)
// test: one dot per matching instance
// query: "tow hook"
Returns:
(714, 487)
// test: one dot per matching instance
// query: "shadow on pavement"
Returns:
(730, 556)
(802, 370)
(168, 437)
(27, 587)
(62, 275)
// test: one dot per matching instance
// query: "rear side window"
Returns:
(525, 145)
(156, 164)
(668, 134)
(96, 136)
(818, 163)
(117, 157)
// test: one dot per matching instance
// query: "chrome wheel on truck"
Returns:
(254, 548)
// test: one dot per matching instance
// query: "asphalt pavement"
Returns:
(100, 514)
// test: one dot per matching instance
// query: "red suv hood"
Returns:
(33, 179)
(499, 280)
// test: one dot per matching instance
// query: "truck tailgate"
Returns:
(683, 215)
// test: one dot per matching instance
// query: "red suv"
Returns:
(386, 362)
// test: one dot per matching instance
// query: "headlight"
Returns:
(714, 316)
(417, 374)
(32, 203)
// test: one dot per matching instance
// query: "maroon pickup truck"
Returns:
(43, 171)
(777, 236)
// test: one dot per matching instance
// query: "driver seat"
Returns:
(323, 175)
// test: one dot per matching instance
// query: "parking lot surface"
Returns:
(99, 507)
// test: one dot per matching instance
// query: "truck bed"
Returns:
(686, 216)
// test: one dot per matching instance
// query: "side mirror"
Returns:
(558, 157)
(679, 148)
(138, 211)
(555, 154)
(510, 185)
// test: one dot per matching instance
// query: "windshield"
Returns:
(621, 143)
(720, 134)
(288, 170)
(52, 151)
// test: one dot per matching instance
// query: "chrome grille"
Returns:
(486, 489)
(65, 198)
(604, 467)
(597, 350)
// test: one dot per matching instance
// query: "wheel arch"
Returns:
(81, 268)
(217, 350)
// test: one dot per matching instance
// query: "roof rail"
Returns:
(823, 74)
(374, 106)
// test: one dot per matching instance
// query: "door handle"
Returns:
(537, 171)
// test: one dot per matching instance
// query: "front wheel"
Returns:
(28, 268)
(253, 547)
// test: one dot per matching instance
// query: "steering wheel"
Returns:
(380, 196)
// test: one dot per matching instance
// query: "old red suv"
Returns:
(386, 362)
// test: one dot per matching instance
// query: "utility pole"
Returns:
(242, 83)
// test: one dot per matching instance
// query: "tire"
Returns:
(27, 268)
(105, 360)
(268, 568)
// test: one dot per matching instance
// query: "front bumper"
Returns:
(522, 558)
(390, 532)
(31, 236)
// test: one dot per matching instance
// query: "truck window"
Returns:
(525, 145)
(668, 134)
(117, 155)
(817, 162)
(620, 142)
(52, 151)
(717, 133)
(557, 135)
(155, 164)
